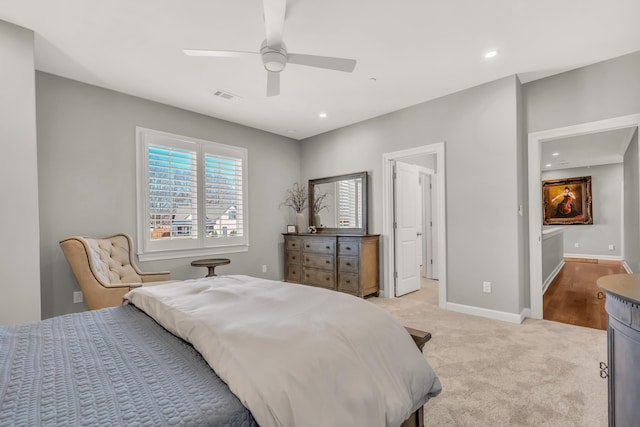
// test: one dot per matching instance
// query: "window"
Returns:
(192, 196)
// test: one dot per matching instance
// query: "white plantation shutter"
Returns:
(192, 196)
(173, 193)
(224, 201)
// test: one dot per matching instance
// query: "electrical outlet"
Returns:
(486, 287)
(612, 247)
(77, 297)
(576, 245)
(264, 268)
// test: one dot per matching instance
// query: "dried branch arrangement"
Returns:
(296, 197)
(318, 203)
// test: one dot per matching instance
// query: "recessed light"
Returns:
(555, 154)
(548, 165)
(322, 115)
(491, 54)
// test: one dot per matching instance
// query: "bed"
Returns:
(223, 351)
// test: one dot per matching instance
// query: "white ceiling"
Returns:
(416, 50)
(593, 149)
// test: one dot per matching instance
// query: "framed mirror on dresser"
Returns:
(341, 256)
(338, 204)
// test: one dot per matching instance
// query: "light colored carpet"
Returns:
(494, 373)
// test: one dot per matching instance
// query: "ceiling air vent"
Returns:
(225, 95)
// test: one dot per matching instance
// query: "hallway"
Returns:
(572, 296)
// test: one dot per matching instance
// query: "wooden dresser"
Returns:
(341, 262)
(623, 335)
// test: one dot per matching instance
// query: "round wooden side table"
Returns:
(211, 264)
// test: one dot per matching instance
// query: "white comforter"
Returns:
(296, 355)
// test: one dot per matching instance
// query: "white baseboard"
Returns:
(552, 276)
(626, 267)
(491, 314)
(605, 257)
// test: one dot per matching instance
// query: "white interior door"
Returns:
(406, 228)
(420, 231)
(427, 261)
(434, 226)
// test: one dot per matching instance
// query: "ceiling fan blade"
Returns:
(331, 63)
(273, 83)
(218, 53)
(274, 12)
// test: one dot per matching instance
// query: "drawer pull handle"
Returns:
(604, 370)
(293, 257)
(348, 248)
(348, 264)
(307, 259)
(326, 278)
(327, 247)
(307, 275)
(308, 246)
(328, 262)
(293, 244)
(348, 281)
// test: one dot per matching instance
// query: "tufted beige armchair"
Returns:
(105, 268)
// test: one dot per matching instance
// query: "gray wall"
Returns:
(86, 162)
(600, 91)
(19, 255)
(479, 127)
(606, 190)
(632, 205)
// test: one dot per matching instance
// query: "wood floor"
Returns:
(572, 296)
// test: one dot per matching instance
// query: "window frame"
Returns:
(149, 250)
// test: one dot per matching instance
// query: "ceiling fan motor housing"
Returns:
(273, 59)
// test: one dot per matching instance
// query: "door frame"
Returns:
(535, 193)
(388, 250)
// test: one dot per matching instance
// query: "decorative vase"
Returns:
(301, 228)
(316, 220)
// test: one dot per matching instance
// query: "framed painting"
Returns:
(567, 201)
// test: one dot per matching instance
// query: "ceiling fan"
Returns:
(274, 52)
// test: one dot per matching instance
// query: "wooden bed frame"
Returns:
(420, 338)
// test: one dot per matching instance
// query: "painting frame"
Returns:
(567, 201)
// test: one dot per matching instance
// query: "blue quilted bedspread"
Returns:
(115, 366)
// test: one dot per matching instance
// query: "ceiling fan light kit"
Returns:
(272, 59)
(274, 53)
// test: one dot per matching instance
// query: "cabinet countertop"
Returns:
(625, 286)
(330, 234)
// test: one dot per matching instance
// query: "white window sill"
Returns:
(189, 253)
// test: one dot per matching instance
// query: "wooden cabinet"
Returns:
(346, 263)
(623, 336)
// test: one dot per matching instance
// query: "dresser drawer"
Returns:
(349, 282)
(348, 247)
(293, 244)
(326, 246)
(294, 273)
(318, 261)
(294, 257)
(348, 264)
(321, 278)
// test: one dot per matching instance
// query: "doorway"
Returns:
(535, 194)
(390, 254)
